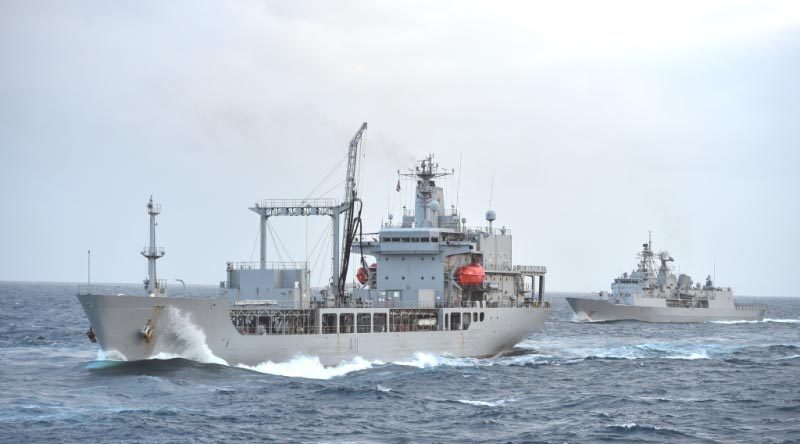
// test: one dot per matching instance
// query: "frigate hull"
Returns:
(140, 327)
(598, 310)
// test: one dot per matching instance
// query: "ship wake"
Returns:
(765, 320)
(310, 367)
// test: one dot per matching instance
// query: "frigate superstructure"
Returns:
(434, 285)
(650, 296)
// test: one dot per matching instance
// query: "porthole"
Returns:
(422, 278)
(433, 278)
(403, 278)
(402, 258)
(386, 278)
(422, 258)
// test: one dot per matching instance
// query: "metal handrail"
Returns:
(158, 251)
(297, 203)
(269, 265)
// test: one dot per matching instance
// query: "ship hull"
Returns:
(188, 326)
(598, 310)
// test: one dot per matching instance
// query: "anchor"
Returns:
(90, 334)
(147, 331)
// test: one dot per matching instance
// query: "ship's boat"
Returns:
(472, 274)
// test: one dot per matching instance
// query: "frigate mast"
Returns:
(152, 253)
(646, 263)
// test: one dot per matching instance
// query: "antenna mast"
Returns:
(152, 253)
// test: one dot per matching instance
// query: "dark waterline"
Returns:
(624, 381)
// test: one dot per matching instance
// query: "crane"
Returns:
(350, 207)
(352, 218)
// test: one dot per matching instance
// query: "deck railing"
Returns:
(268, 265)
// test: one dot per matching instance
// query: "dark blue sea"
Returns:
(572, 382)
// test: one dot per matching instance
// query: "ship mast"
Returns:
(152, 253)
(646, 263)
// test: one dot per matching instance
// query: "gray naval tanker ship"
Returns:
(435, 286)
(646, 296)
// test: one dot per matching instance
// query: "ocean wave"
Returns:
(486, 403)
(570, 352)
(310, 367)
(428, 360)
(650, 350)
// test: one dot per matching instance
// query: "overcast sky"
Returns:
(599, 120)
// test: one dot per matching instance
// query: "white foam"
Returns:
(383, 389)
(632, 425)
(485, 403)
(110, 355)
(181, 338)
(648, 350)
(424, 360)
(311, 367)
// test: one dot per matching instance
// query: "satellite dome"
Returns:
(434, 206)
(491, 216)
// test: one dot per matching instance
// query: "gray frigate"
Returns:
(644, 295)
(434, 285)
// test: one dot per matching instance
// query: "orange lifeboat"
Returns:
(362, 276)
(472, 274)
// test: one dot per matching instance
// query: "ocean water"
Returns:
(572, 382)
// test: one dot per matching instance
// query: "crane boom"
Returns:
(352, 222)
(352, 160)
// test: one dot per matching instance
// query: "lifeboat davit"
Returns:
(362, 276)
(472, 274)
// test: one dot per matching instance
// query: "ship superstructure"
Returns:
(647, 295)
(426, 284)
